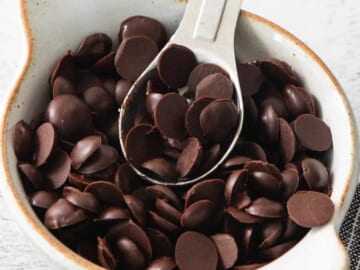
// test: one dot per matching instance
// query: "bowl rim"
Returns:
(42, 232)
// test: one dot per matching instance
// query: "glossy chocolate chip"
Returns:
(93, 48)
(43, 199)
(105, 256)
(134, 55)
(45, 140)
(247, 235)
(100, 102)
(257, 165)
(160, 243)
(298, 101)
(130, 257)
(162, 168)
(137, 208)
(235, 183)
(190, 158)
(135, 233)
(163, 263)
(243, 217)
(121, 89)
(199, 215)
(270, 233)
(315, 174)
(216, 86)
(126, 179)
(23, 141)
(310, 208)
(62, 214)
(163, 192)
(250, 149)
(250, 78)
(175, 64)
(209, 189)
(33, 174)
(105, 65)
(87, 80)
(70, 116)
(79, 181)
(65, 67)
(264, 184)
(290, 182)
(113, 213)
(287, 141)
(83, 149)
(167, 211)
(106, 192)
(210, 157)
(236, 162)
(269, 125)
(263, 207)
(152, 100)
(278, 72)
(218, 120)
(313, 133)
(227, 249)
(84, 200)
(200, 72)
(62, 86)
(143, 142)
(101, 159)
(277, 104)
(163, 224)
(170, 115)
(57, 169)
(194, 250)
(143, 26)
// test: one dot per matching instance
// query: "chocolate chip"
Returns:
(313, 133)
(134, 55)
(163, 192)
(163, 263)
(250, 149)
(114, 214)
(87, 80)
(216, 86)
(84, 200)
(192, 118)
(152, 100)
(45, 141)
(263, 207)
(243, 217)
(43, 199)
(160, 243)
(143, 142)
(143, 26)
(167, 211)
(105, 256)
(218, 119)
(234, 184)
(210, 157)
(250, 78)
(23, 141)
(162, 168)
(209, 189)
(62, 214)
(264, 184)
(227, 249)
(298, 101)
(199, 215)
(65, 67)
(170, 115)
(315, 173)
(277, 104)
(106, 192)
(175, 64)
(70, 116)
(62, 86)
(310, 208)
(126, 179)
(269, 126)
(190, 158)
(163, 224)
(121, 89)
(57, 169)
(287, 141)
(83, 149)
(130, 257)
(194, 250)
(105, 65)
(33, 174)
(270, 233)
(290, 182)
(236, 162)
(200, 72)
(137, 208)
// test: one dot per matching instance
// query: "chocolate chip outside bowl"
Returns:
(319, 249)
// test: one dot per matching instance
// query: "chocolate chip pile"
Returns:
(261, 201)
(182, 133)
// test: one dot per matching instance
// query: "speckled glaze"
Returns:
(52, 27)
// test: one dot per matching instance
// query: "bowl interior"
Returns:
(57, 26)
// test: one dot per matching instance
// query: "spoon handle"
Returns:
(209, 23)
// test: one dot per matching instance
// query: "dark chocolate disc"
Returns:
(269, 127)
(106, 192)
(129, 254)
(263, 207)
(70, 116)
(264, 184)
(175, 64)
(250, 78)
(192, 118)
(45, 141)
(243, 217)
(170, 115)
(33, 174)
(227, 249)
(65, 67)
(121, 89)
(313, 133)
(137, 208)
(163, 192)
(84, 200)
(143, 142)
(57, 169)
(218, 119)
(216, 86)
(200, 72)
(298, 101)
(167, 211)
(315, 174)
(235, 183)
(43, 199)
(199, 215)
(105, 256)
(126, 179)
(287, 141)
(160, 243)
(134, 55)
(63, 86)
(105, 65)
(162, 168)
(23, 141)
(152, 100)
(194, 250)
(190, 158)
(164, 225)
(278, 105)
(270, 232)
(310, 208)
(290, 182)
(143, 26)
(83, 149)
(210, 157)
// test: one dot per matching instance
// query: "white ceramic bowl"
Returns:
(52, 27)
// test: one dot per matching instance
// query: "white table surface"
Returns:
(330, 27)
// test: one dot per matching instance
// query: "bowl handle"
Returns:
(321, 248)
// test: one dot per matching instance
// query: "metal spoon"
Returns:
(208, 29)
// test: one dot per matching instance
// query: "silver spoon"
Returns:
(208, 29)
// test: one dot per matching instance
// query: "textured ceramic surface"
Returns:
(56, 26)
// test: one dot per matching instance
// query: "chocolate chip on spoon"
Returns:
(162, 168)
(250, 78)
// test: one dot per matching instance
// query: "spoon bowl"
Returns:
(208, 29)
